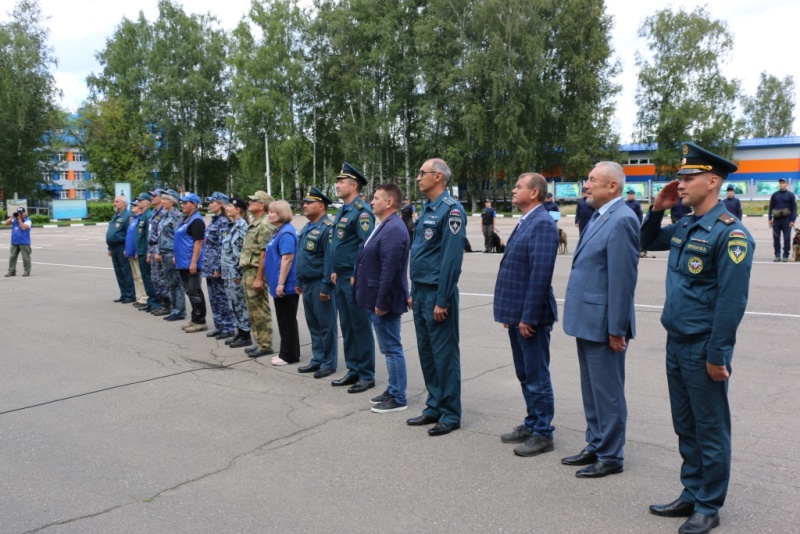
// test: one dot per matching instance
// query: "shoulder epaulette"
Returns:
(727, 218)
(358, 205)
(327, 222)
(450, 201)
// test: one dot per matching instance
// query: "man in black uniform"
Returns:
(549, 205)
(583, 212)
(633, 204)
(488, 215)
(732, 203)
(782, 214)
(407, 213)
(679, 211)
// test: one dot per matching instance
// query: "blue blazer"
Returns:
(523, 291)
(605, 266)
(381, 274)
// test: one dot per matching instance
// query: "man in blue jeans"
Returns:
(525, 305)
(380, 285)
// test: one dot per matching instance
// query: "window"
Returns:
(77, 156)
(78, 175)
(62, 175)
(80, 194)
(62, 156)
(63, 195)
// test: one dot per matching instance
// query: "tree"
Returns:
(682, 94)
(770, 113)
(29, 116)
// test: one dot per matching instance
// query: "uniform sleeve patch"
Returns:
(364, 216)
(737, 250)
(455, 213)
(455, 224)
(738, 234)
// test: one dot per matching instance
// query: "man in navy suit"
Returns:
(380, 285)
(599, 312)
(525, 304)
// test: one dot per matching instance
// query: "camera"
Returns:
(16, 215)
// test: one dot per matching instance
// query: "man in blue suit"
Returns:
(599, 312)
(525, 304)
(380, 286)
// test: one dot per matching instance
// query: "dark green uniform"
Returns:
(436, 256)
(115, 239)
(707, 286)
(351, 227)
(314, 241)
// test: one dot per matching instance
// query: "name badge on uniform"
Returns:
(677, 241)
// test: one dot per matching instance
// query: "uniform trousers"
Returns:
(238, 304)
(780, 227)
(193, 285)
(286, 317)
(603, 390)
(701, 418)
(487, 230)
(147, 279)
(138, 285)
(258, 309)
(439, 355)
(357, 340)
(177, 295)
(122, 271)
(26, 258)
(321, 321)
(157, 274)
(220, 307)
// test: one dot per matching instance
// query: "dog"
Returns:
(497, 244)
(562, 242)
(796, 245)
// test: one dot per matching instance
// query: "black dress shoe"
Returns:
(174, 317)
(598, 470)
(676, 508)
(346, 380)
(115, 300)
(421, 420)
(322, 373)
(244, 341)
(440, 429)
(213, 333)
(361, 386)
(582, 458)
(259, 352)
(128, 301)
(251, 349)
(308, 368)
(224, 335)
(699, 524)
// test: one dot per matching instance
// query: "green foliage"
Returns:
(770, 113)
(38, 218)
(682, 94)
(28, 94)
(100, 211)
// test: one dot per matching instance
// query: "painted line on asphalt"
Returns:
(651, 307)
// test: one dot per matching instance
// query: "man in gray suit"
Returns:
(598, 311)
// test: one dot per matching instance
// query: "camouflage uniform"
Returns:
(255, 240)
(232, 243)
(156, 269)
(212, 264)
(166, 237)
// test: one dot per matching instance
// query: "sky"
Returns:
(764, 36)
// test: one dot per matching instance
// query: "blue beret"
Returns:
(216, 196)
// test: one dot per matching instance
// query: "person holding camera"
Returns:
(20, 242)
(782, 214)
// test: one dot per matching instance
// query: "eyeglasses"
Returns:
(422, 173)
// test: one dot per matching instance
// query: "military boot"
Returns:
(244, 341)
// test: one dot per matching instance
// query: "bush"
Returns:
(3, 215)
(100, 211)
(37, 218)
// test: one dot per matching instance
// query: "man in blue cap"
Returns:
(351, 227)
(156, 268)
(314, 243)
(633, 204)
(189, 237)
(708, 278)
(143, 201)
(212, 267)
(20, 242)
(782, 215)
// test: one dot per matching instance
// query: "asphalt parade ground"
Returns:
(112, 420)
